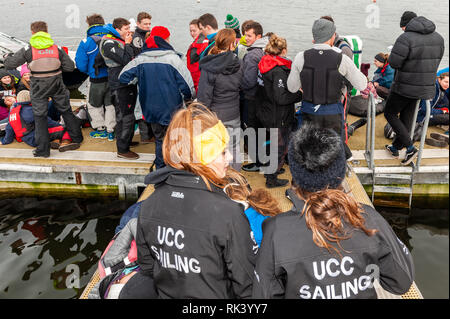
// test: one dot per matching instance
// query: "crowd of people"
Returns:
(192, 234)
(205, 232)
(241, 73)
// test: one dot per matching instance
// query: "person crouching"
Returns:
(21, 127)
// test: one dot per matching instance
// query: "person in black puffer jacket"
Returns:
(277, 108)
(219, 84)
(415, 57)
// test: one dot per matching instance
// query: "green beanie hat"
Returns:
(232, 22)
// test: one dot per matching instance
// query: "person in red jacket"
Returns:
(200, 43)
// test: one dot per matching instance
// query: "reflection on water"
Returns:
(45, 243)
(425, 233)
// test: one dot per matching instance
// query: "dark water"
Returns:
(42, 241)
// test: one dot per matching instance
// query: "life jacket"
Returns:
(194, 68)
(320, 77)
(45, 62)
(121, 252)
(20, 127)
(356, 45)
(109, 62)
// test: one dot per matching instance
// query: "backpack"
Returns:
(99, 62)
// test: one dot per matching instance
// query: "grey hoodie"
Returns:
(254, 54)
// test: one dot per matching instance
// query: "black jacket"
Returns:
(415, 57)
(277, 107)
(119, 53)
(218, 87)
(203, 235)
(290, 265)
(138, 40)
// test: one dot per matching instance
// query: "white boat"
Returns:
(10, 44)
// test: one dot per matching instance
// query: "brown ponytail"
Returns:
(325, 212)
(260, 199)
(224, 39)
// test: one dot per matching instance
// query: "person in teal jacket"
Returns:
(384, 75)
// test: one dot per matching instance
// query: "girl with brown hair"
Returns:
(192, 240)
(383, 76)
(277, 105)
(218, 87)
(328, 246)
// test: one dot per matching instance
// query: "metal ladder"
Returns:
(394, 178)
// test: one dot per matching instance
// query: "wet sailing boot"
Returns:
(272, 181)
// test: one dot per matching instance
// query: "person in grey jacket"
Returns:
(319, 73)
(219, 84)
(415, 57)
(327, 251)
(256, 43)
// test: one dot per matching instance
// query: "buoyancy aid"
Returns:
(356, 45)
(320, 77)
(20, 127)
(45, 62)
(200, 43)
(109, 62)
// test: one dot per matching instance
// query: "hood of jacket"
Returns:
(97, 29)
(110, 29)
(421, 25)
(260, 43)
(268, 62)
(223, 63)
(176, 177)
(41, 40)
(156, 43)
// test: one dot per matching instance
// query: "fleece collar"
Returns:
(268, 62)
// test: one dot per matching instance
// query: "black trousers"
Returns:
(145, 130)
(332, 121)
(254, 123)
(159, 131)
(399, 113)
(41, 90)
(124, 100)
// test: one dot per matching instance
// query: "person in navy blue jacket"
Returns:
(439, 104)
(164, 82)
(100, 107)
